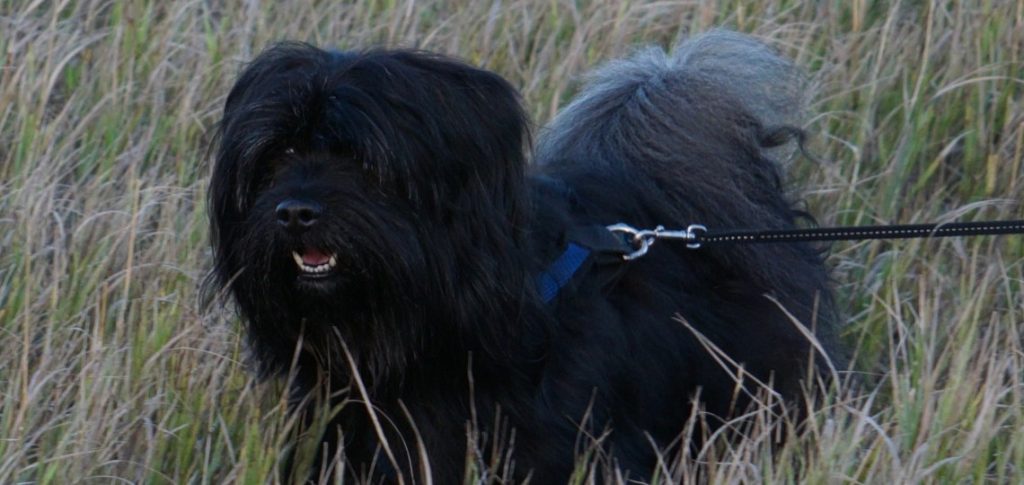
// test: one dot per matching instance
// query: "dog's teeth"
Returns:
(320, 268)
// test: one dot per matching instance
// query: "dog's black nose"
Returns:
(297, 215)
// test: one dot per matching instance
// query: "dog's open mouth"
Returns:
(314, 263)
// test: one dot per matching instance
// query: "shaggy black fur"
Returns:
(408, 168)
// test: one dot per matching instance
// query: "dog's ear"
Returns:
(486, 129)
(453, 132)
(483, 114)
(259, 112)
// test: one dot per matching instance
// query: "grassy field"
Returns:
(112, 371)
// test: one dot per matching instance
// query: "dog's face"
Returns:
(350, 177)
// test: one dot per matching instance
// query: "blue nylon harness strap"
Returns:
(561, 271)
(589, 249)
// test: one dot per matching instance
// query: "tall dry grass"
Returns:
(111, 372)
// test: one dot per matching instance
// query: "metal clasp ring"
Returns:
(643, 239)
(692, 236)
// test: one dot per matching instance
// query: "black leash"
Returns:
(697, 236)
(590, 247)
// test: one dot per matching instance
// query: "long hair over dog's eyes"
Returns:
(272, 165)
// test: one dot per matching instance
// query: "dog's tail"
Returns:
(675, 115)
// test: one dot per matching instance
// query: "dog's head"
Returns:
(338, 168)
(351, 187)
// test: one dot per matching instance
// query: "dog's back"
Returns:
(691, 137)
(697, 136)
(705, 124)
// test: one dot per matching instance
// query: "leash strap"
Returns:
(591, 246)
(697, 236)
(904, 231)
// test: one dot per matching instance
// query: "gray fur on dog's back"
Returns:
(651, 104)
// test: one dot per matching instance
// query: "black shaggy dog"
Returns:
(378, 226)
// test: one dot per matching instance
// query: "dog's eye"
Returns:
(272, 167)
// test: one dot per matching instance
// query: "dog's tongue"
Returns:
(313, 257)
